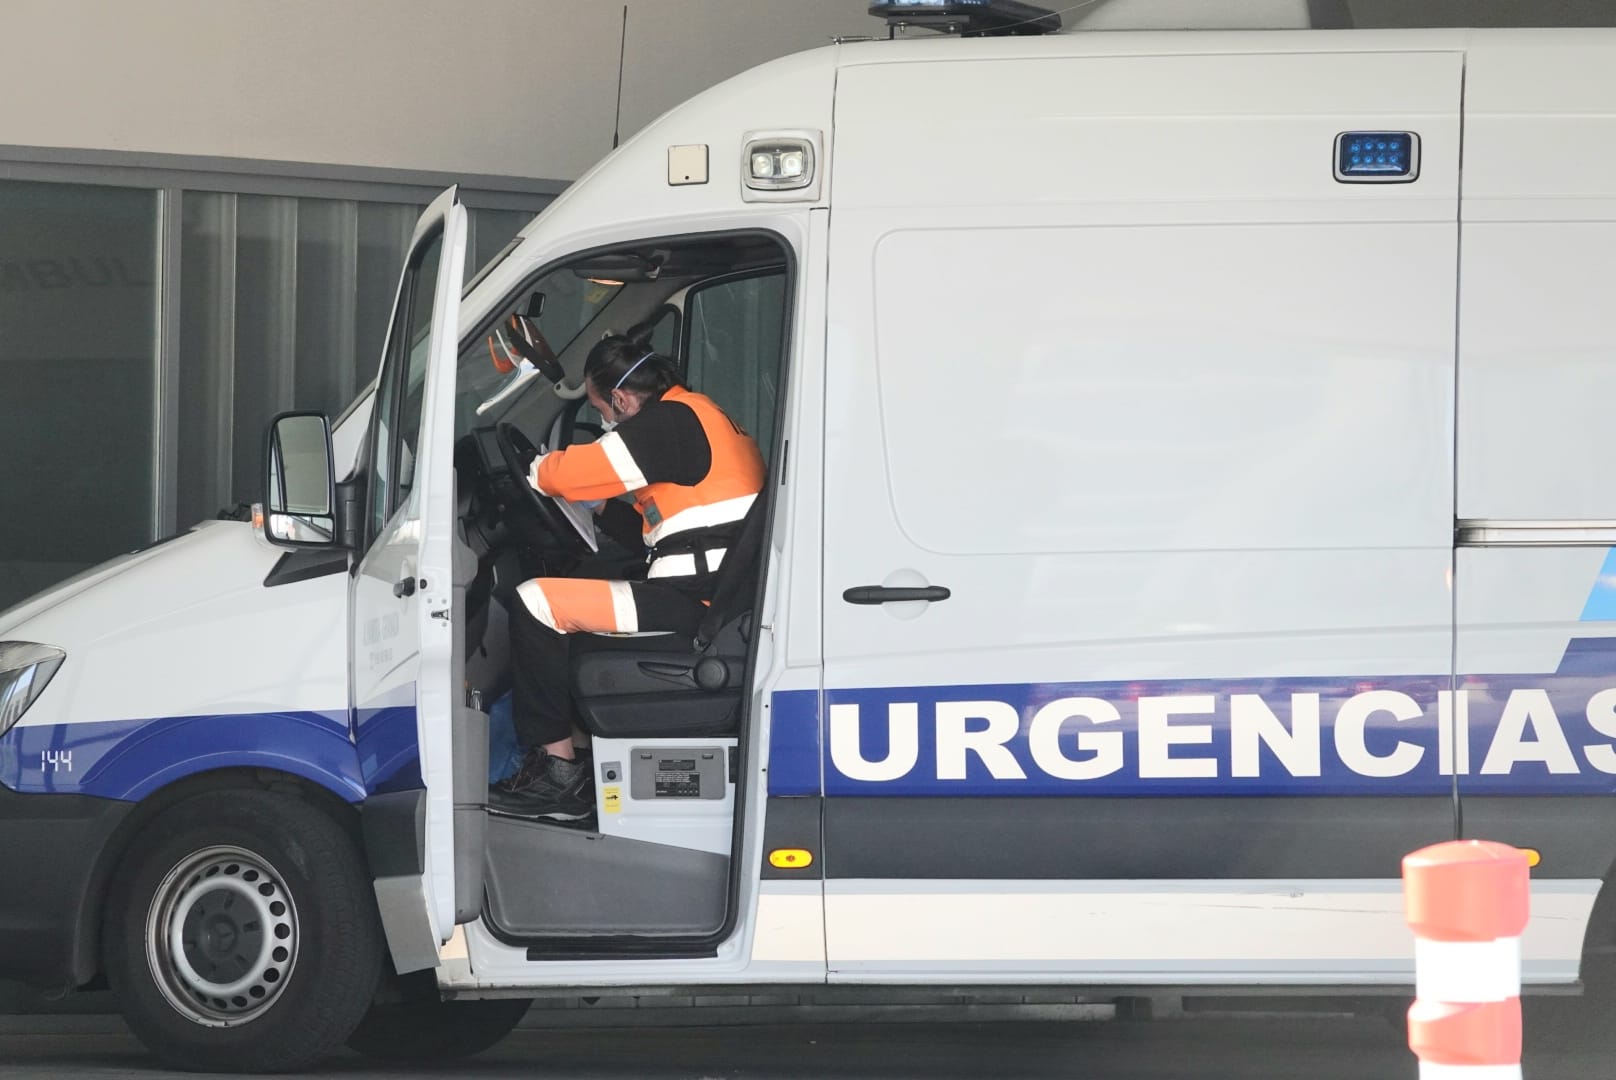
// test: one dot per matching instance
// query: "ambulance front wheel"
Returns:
(241, 934)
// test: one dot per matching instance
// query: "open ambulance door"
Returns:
(402, 632)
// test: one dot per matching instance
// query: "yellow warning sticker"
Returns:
(612, 797)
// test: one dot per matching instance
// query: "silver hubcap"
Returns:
(222, 936)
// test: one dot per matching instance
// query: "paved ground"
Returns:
(1564, 1042)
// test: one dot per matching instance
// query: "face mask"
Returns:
(605, 424)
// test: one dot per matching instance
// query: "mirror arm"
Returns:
(277, 476)
(350, 501)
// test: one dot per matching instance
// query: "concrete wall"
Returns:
(521, 88)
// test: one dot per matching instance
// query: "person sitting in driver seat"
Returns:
(693, 473)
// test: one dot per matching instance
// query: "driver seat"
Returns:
(670, 685)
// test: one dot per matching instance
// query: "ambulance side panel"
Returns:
(1536, 569)
(1169, 411)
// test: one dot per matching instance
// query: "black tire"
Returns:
(279, 948)
(435, 1032)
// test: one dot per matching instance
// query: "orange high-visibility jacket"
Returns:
(692, 470)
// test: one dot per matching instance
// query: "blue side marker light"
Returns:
(1377, 156)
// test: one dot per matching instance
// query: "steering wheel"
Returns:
(513, 446)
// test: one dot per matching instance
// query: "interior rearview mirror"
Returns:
(299, 488)
(528, 341)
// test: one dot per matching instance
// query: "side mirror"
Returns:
(299, 489)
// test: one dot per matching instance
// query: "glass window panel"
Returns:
(78, 304)
(490, 232)
(207, 349)
(384, 241)
(283, 305)
(327, 277)
(735, 343)
(266, 329)
(403, 386)
(420, 345)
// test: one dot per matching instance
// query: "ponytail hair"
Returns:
(619, 361)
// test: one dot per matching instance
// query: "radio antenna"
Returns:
(622, 50)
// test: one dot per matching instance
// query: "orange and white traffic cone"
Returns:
(1467, 902)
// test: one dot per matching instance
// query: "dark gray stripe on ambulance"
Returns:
(792, 823)
(1196, 838)
(1122, 838)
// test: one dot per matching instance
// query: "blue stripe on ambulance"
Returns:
(130, 759)
(794, 742)
(388, 747)
(1524, 735)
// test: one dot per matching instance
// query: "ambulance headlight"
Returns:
(779, 165)
(25, 670)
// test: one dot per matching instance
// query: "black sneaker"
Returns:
(557, 790)
(529, 769)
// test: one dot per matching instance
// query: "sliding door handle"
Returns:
(886, 594)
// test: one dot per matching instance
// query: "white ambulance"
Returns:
(1188, 493)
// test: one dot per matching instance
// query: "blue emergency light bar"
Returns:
(1371, 156)
(968, 18)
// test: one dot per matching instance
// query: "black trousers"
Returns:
(543, 709)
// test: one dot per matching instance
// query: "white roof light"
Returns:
(779, 164)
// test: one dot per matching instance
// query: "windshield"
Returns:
(570, 304)
(488, 267)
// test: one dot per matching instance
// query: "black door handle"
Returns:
(882, 594)
(405, 588)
